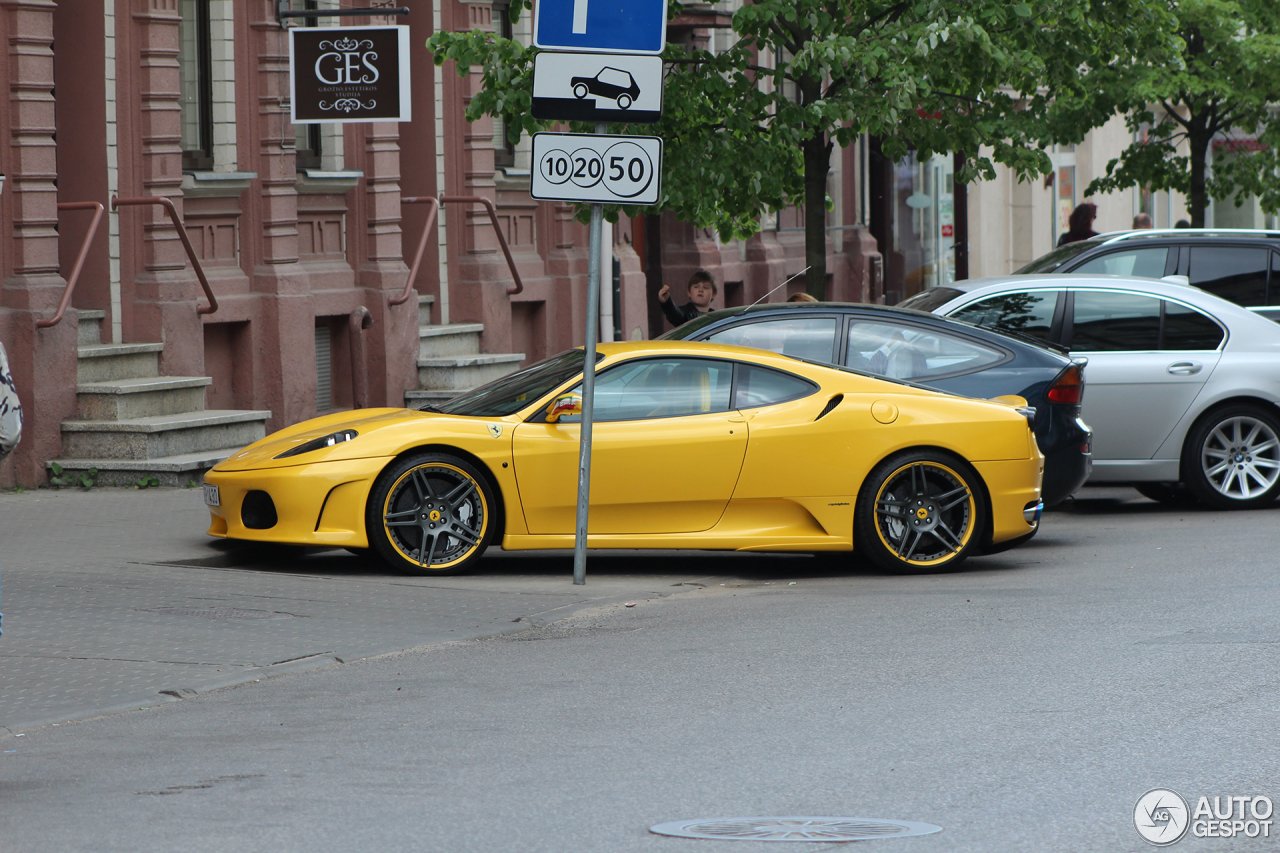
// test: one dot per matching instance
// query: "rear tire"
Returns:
(1232, 458)
(920, 510)
(1169, 494)
(431, 514)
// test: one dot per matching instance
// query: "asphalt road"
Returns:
(1023, 703)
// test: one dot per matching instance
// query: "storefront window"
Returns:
(924, 222)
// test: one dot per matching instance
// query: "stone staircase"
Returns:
(134, 423)
(450, 361)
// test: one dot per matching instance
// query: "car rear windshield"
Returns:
(1058, 257)
(927, 300)
(510, 394)
(690, 329)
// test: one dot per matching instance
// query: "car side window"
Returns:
(1028, 313)
(1232, 272)
(1115, 322)
(660, 388)
(1149, 262)
(908, 352)
(763, 386)
(1187, 329)
(813, 338)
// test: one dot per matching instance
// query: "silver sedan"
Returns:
(1182, 386)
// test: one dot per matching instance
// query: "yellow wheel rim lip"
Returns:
(395, 490)
(970, 504)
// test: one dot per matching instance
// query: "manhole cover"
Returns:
(217, 612)
(793, 828)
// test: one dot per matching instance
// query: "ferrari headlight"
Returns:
(320, 443)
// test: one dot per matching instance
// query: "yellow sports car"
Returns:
(694, 445)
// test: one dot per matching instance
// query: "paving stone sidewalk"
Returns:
(115, 599)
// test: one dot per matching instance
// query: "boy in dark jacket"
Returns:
(701, 289)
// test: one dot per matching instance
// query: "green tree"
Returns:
(1220, 92)
(751, 129)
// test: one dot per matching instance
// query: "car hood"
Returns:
(381, 433)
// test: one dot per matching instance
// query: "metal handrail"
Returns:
(168, 205)
(435, 203)
(98, 209)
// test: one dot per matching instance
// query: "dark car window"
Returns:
(1148, 262)
(934, 297)
(1028, 313)
(1232, 272)
(1273, 292)
(813, 338)
(1058, 257)
(906, 352)
(1187, 329)
(660, 388)
(1105, 321)
(761, 386)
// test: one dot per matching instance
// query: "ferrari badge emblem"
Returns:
(495, 430)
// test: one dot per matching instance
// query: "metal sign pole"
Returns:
(588, 387)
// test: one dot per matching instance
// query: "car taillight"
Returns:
(1068, 387)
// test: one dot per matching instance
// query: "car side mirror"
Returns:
(565, 404)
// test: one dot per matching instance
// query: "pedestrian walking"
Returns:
(10, 416)
(801, 297)
(1080, 224)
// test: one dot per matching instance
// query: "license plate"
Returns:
(211, 497)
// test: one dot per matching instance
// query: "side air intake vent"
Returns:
(831, 404)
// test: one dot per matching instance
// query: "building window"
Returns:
(308, 136)
(504, 153)
(195, 85)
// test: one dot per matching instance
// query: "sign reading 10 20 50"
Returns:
(597, 168)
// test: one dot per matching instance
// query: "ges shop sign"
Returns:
(349, 74)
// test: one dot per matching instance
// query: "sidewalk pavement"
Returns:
(116, 599)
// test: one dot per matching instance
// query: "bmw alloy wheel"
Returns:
(1237, 458)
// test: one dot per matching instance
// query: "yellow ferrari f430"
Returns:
(694, 445)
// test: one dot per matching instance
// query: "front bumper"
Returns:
(320, 504)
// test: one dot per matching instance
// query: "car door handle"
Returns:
(741, 417)
(1185, 368)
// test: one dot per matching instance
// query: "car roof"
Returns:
(890, 312)
(1113, 237)
(1187, 293)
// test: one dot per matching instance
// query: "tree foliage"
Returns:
(751, 129)
(1216, 98)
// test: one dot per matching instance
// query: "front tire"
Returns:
(1232, 458)
(431, 514)
(920, 510)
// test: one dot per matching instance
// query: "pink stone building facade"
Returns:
(300, 232)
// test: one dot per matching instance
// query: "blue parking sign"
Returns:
(605, 26)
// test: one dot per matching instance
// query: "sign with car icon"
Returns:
(597, 87)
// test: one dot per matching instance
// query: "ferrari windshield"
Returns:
(510, 394)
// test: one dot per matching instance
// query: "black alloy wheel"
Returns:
(920, 510)
(431, 514)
